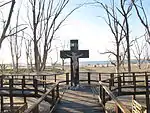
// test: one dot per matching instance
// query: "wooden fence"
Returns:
(26, 86)
(110, 85)
(54, 91)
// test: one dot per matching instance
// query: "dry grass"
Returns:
(112, 69)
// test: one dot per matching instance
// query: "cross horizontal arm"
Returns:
(68, 53)
(65, 54)
(84, 53)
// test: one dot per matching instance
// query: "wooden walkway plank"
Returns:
(81, 100)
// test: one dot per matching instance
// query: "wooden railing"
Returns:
(27, 86)
(105, 90)
(111, 85)
(22, 108)
(117, 84)
(54, 91)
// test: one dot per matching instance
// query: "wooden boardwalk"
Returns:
(81, 100)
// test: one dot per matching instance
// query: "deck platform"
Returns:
(80, 100)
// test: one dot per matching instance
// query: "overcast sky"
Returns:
(85, 25)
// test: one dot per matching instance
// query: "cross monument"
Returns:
(74, 54)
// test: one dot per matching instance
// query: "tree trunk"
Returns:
(17, 64)
(118, 58)
(27, 58)
(12, 55)
(44, 61)
(36, 56)
(128, 53)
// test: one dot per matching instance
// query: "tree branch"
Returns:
(7, 23)
(5, 3)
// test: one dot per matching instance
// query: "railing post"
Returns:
(35, 86)
(67, 78)
(23, 81)
(33, 80)
(110, 84)
(10, 92)
(119, 84)
(147, 92)
(103, 96)
(89, 78)
(45, 83)
(12, 77)
(57, 90)
(100, 92)
(55, 78)
(1, 81)
(23, 85)
(112, 79)
(100, 78)
(2, 109)
(123, 78)
(134, 83)
(53, 97)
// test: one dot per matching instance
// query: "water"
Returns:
(94, 62)
(85, 63)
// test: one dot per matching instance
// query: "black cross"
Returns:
(74, 64)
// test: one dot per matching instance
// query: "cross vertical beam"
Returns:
(74, 54)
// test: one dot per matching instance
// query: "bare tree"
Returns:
(54, 63)
(142, 17)
(120, 30)
(125, 12)
(124, 55)
(3, 34)
(63, 59)
(12, 52)
(16, 47)
(29, 58)
(16, 43)
(147, 55)
(45, 23)
(138, 51)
